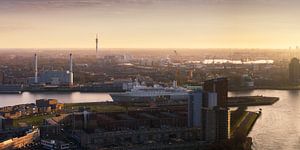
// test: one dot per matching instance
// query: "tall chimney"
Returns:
(35, 69)
(71, 70)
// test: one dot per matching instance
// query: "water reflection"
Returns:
(75, 97)
(279, 125)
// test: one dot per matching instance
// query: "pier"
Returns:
(251, 101)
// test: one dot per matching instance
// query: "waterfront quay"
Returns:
(115, 116)
(201, 122)
(242, 121)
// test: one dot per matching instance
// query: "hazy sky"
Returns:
(149, 23)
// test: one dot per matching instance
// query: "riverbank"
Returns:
(245, 123)
(96, 107)
(241, 124)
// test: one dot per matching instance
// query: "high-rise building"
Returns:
(216, 124)
(208, 110)
(209, 124)
(1, 77)
(294, 70)
(195, 109)
(204, 113)
(219, 86)
(210, 99)
(222, 123)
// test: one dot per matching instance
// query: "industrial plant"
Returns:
(53, 77)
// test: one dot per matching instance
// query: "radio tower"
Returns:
(35, 69)
(96, 43)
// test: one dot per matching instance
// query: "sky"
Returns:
(149, 23)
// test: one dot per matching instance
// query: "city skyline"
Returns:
(149, 24)
(149, 74)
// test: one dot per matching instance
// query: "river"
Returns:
(277, 128)
(75, 97)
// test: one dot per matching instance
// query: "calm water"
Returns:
(279, 125)
(277, 128)
(75, 97)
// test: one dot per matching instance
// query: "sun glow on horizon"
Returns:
(149, 24)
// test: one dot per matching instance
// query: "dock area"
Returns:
(244, 124)
(242, 121)
(241, 124)
(251, 101)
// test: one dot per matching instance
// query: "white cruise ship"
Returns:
(140, 93)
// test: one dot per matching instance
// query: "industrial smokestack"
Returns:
(71, 69)
(71, 63)
(35, 69)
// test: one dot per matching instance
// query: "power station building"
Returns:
(53, 77)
